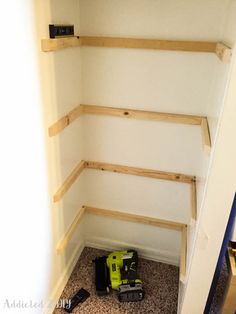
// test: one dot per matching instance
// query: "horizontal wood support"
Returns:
(148, 221)
(68, 182)
(149, 173)
(61, 124)
(151, 221)
(68, 235)
(65, 121)
(220, 49)
(156, 174)
(142, 114)
(59, 43)
(135, 218)
(174, 45)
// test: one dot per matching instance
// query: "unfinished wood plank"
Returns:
(156, 174)
(206, 134)
(135, 218)
(58, 126)
(183, 253)
(68, 235)
(61, 124)
(194, 46)
(232, 263)
(59, 43)
(223, 52)
(68, 182)
(194, 200)
(142, 114)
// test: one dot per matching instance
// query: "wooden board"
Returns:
(194, 200)
(68, 182)
(223, 52)
(206, 134)
(156, 222)
(58, 126)
(135, 218)
(142, 114)
(68, 235)
(174, 45)
(156, 174)
(59, 43)
(65, 121)
(183, 253)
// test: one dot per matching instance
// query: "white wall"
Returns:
(217, 205)
(143, 196)
(61, 89)
(201, 20)
(110, 234)
(179, 82)
(219, 192)
(146, 144)
(229, 37)
(150, 80)
(191, 83)
(25, 219)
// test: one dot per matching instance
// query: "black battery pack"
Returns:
(60, 30)
(102, 278)
(79, 297)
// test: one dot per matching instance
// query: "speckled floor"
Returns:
(160, 282)
(220, 291)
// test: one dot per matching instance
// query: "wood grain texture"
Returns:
(142, 114)
(232, 264)
(156, 174)
(65, 121)
(223, 52)
(54, 44)
(183, 253)
(61, 124)
(174, 45)
(68, 182)
(156, 222)
(135, 218)
(206, 134)
(68, 235)
(194, 200)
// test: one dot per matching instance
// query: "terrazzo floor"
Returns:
(160, 282)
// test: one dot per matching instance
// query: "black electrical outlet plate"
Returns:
(79, 297)
(60, 30)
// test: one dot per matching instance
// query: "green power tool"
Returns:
(118, 271)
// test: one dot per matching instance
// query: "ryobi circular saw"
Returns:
(118, 271)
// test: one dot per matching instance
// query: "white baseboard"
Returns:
(145, 252)
(62, 281)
